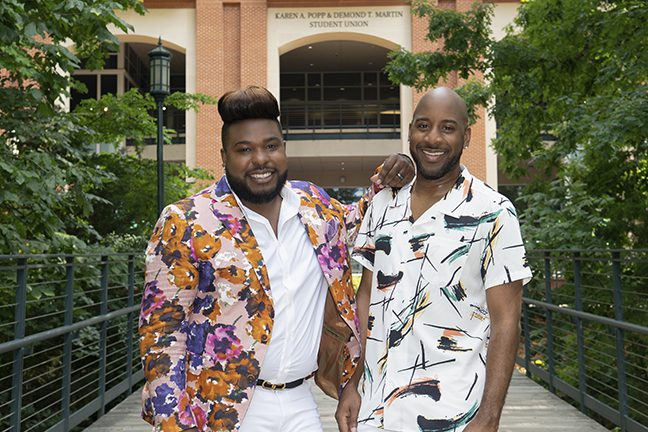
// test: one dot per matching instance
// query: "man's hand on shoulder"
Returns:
(346, 414)
(396, 171)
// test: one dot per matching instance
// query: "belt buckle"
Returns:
(270, 386)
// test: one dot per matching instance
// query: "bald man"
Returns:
(439, 301)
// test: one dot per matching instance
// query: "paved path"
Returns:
(529, 408)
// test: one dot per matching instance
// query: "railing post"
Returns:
(103, 334)
(67, 350)
(18, 355)
(620, 357)
(580, 339)
(129, 318)
(525, 324)
(549, 314)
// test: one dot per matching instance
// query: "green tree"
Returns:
(125, 203)
(464, 43)
(44, 179)
(129, 199)
(49, 184)
(570, 80)
(578, 70)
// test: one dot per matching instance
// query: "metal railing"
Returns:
(584, 323)
(341, 120)
(68, 337)
(68, 326)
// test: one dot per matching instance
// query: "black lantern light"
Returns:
(160, 65)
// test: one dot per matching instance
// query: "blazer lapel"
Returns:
(324, 234)
(226, 209)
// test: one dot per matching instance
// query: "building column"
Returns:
(230, 53)
(476, 156)
(209, 80)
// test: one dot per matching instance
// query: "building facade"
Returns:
(323, 60)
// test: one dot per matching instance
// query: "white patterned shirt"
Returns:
(428, 319)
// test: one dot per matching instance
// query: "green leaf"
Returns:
(30, 30)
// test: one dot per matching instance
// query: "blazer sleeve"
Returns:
(170, 287)
(354, 213)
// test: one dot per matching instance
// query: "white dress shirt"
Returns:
(298, 290)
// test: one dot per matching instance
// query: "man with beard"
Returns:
(440, 296)
(248, 288)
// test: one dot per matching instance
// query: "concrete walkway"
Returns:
(529, 408)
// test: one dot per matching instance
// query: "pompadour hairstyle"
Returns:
(251, 102)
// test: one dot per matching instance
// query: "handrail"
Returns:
(62, 371)
(357, 115)
(559, 321)
(588, 316)
(60, 331)
(67, 255)
(598, 250)
(563, 339)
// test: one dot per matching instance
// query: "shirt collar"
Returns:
(289, 205)
(458, 195)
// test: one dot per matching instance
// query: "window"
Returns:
(134, 75)
(342, 100)
(108, 84)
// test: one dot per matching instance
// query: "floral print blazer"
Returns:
(207, 312)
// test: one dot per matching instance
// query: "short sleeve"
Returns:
(504, 257)
(364, 248)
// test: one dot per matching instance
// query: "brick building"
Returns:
(323, 60)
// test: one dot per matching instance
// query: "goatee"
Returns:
(245, 194)
(441, 172)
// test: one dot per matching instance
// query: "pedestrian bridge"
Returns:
(529, 408)
(69, 358)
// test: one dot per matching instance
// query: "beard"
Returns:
(437, 174)
(245, 194)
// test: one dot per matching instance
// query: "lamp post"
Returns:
(160, 66)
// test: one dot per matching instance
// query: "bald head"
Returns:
(446, 99)
(438, 134)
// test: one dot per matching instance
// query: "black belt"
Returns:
(292, 384)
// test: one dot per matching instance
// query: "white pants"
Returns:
(291, 410)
